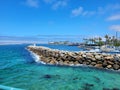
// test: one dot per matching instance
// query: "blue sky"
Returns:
(59, 17)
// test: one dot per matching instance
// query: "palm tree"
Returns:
(107, 38)
(99, 39)
(100, 42)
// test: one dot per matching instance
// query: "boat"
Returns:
(107, 48)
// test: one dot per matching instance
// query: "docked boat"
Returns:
(107, 48)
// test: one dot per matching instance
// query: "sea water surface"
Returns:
(18, 69)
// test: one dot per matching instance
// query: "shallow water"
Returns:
(18, 69)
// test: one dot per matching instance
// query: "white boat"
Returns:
(107, 48)
(95, 50)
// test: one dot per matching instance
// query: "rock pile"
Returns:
(58, 57)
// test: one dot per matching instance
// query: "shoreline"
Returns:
(44, 56)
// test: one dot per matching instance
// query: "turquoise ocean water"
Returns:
(18, 69)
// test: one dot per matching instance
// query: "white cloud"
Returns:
(115, 27)
(58, 4)
(32, 3)
(110, 8)
(78, 11)
(55, 4)
(113, 6)
(114, 17)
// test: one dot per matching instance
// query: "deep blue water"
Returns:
(18, 69)
(61, 47)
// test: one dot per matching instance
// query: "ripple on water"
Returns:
(15, 72)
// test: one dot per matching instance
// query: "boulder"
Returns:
(116, 66)
(76, 62)
(80, 61)
(110, 62)
(99, 62)
(98, 57)
(87, 62)
(84, 56)
(71, 63)
(104, 64)
(52, 62)
(109, 66)
(66, 62)
(116, 58)
(98, 65)
(61, 62)
(109, 58)
(93, 59)
(78, 58)
(93, 63)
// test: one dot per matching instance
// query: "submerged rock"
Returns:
(87, 86)
(47, 76)
(115, 89)
(76, 78)
(97, 79)
(106, 89)
(111, 89)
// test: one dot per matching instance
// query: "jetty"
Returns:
(59, 57)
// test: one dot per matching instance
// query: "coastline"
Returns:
(52, 60)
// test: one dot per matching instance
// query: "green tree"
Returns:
(107, 39)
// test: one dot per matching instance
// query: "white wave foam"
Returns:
(36, 57)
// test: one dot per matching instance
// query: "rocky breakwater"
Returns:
(58, 57)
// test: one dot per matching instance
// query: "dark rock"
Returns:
(111, 89)
(87, 86)
(104, 64)
(115, 89)
(75, 78)
(80, 61)
(47, 76)
(106, 89)
(97, 79)
(87, 63)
